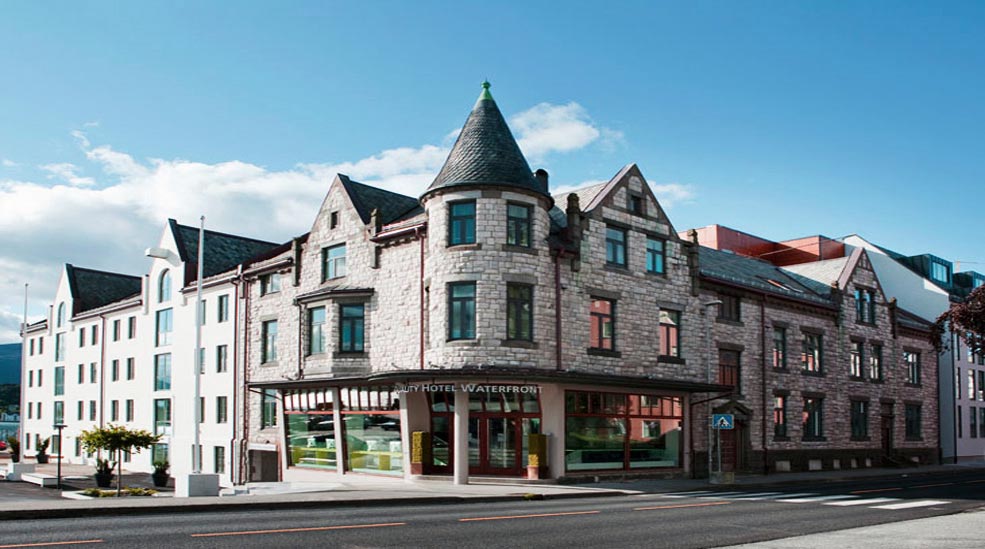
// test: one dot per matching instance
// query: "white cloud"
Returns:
(69, 173)
(104, 221)
(8, 163)
(671, 194)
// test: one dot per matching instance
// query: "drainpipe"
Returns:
(246, 379)
(300, 340)
(420, 327)
(102, 372)
(708, 321)
(234, 447)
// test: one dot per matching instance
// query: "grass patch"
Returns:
(129, 491)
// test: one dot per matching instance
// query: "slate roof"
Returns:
(585, 197)
(366, 198)
(486, 153)
(756, 274)
(92, 289)
(222, 251)
(825, 273)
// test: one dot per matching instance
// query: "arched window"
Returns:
(164, 287)
(61, 315)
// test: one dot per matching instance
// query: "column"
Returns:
(337, 422)
(461, 465)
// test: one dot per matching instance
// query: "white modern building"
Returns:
(120, 349)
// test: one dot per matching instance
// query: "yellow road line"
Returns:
(290, 530)
(530, 516)
(683, 505)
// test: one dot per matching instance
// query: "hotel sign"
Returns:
(464, 388)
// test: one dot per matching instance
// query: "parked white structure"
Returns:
(120, 349)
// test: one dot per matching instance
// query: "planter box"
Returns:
(15, 470)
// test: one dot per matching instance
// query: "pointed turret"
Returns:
(486, 154)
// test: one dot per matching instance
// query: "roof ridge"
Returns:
(229, 235)
(91, 270)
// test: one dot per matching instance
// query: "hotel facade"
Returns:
(488, 328)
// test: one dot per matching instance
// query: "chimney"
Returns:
(375, 221)
(542, 176)
(573, 211)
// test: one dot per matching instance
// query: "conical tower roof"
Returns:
(486, 153)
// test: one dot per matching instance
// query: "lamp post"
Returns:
(708, 322)
(59, 426)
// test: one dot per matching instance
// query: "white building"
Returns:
(120, 349)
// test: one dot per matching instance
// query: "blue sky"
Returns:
(778, 118)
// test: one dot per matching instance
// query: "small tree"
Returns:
(966, 320)
(116, 439)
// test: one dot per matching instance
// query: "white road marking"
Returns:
(797, 495)
(869, 501)
(818, 499)
(687, 494)
(912, 504)
(720, 495)
(756, 495)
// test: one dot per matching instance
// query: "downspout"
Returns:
(300, 340)
(102, 371)
(762, 346)
(236, 449)
(246, 380)
(420, 327)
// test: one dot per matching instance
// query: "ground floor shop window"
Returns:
(620, 431)
(311, 438)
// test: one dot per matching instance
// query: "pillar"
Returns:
(461, 465)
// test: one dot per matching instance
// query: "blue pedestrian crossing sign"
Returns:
(722, 421)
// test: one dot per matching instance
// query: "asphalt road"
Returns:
(711, 518)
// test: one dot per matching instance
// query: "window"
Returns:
(860, 419)
(163, 328)
(981, 385)
(82, 337)
(636, 204)
(41, 345)
(615, 246)
(268, 408)
(269, 283)
(59, 347)
(129, 410)
(202, 308)
(461, 223)
(221, 410)
(875, 363)
(914, 430)
(219, 459)
(316, 330)
(865, 306)
(670, 333)
(200, 411)
(61, 315)
(960, 423)
(333, 220)
(813, 418)
(603, 324)
(164, 287)
(351, 328)
(38, 411)
(518, 224)
(201, 360)
(855, 359)
(94, 335)
(116, 330)
(81, 409)
(92, 372)
(461, 310)
(728, 368)
(811, 354)
(114, 410)
(159, 452)
(40, 376)
(730, 309)
(130, 368)
(131, 327)
(912, 362)
(162, 416)
(222, 310)
(59, 380)
(780, 416)
(59, 413)
(82, 374)
(519, 312)
(92, 410)
(780, 348)
(221, 358)
(30, 378)
(655, 255)
(32, 348)
(162, 372)
(981, 422)
(957, 383)
(268, 342)
(972, 422)
(333, 262)
(940, 272)
(114, 372)
(30, 411)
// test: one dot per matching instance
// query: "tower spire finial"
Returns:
(485, 91)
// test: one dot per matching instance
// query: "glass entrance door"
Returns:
(494, 445)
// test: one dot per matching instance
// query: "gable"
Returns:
(615, 197)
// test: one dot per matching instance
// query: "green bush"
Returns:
(130, 491)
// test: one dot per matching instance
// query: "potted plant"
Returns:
(14, 444)
(160, 474)
(42, 454)
(104, 472)
(116, 439)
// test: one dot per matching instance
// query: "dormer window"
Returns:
(333, 262)
(461, 223)
(164, 287)
(940, 272)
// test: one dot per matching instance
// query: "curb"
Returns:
(191, 507)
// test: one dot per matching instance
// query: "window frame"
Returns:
(515, 313)
(268, 341)
(859, 419)
(459, 225)
(656, 260)
(465, 322)
(615, 246)
(333, 268)
(813, 428)
(519, 226)
(164, 287)
(597, 324)
(353, 325)
(779, 416)
(322, 346)
(779, 355)
(730, 309)
(815, 340)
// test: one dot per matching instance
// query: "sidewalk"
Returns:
(963, 530)
(363, 490)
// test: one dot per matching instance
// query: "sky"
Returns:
(782, 119)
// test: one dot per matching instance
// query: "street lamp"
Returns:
(59, 426)
(708, 322)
